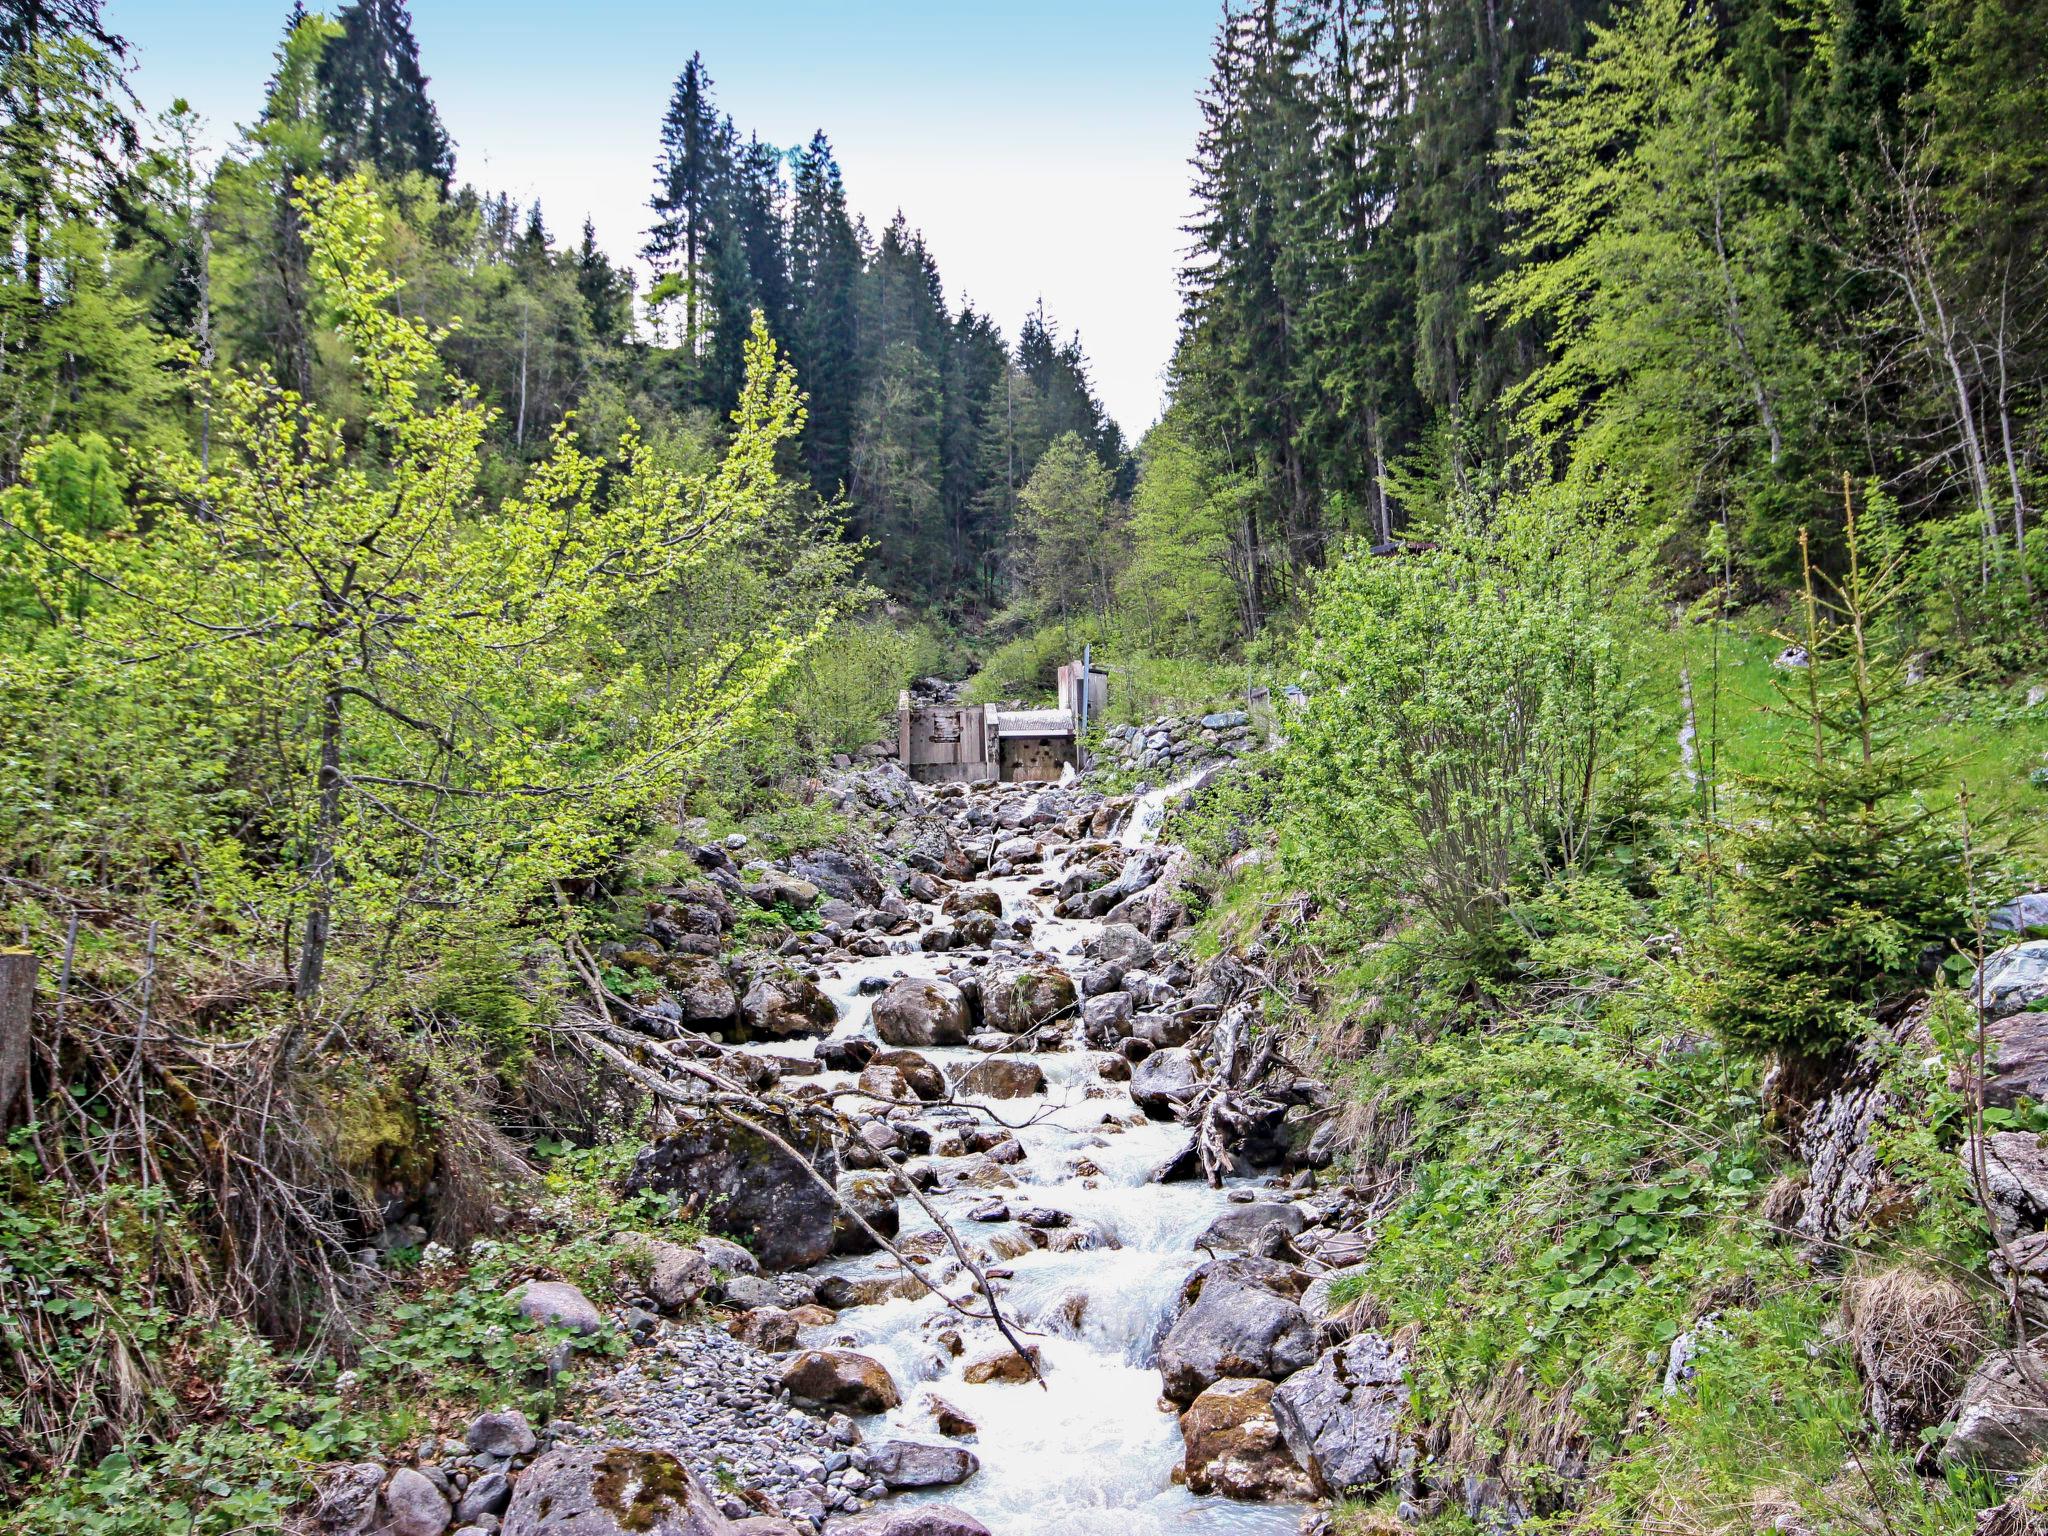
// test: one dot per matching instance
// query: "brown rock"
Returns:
(1004, 1365)
(951, 1421)
(1003, 1077)
(842, 1378)
(1234, 1446)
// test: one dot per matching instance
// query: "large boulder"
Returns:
(1233, 1330)
(1234, 1446)
(1013, 1002)
(842, 1379)
(913, 1464)
(746, 1187)
(2001, 1423)
(786, 1006)
(918, 1520)
(1239, 1228)
(1165, 1081)
(556, 1304)
(1341, 1417)
(702, 991)
(2015, 979)
(1002, 1077)
(922, 1010)
(611, 1490)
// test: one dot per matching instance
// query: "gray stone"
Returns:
(2021, 914)
(1106, 1019)
(873, 1196)
(920, 1011)
(413, 1506)
(2002, 1421)
(912, 1464)
(1013, 1001)
(505, 1434)
(2015, 980)
(558, 1304)
(612, 1490)
(1164, 1081)
(1225, 720)
(487, 1495)
(1341, 1417)
(1124, 944)
(679, 1275)
(1233, 1331)
(1239, 1228)
(2015, 1174)
(346, 1501)
(2015, 1061)
(919, 1520)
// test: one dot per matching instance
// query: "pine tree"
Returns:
(1846, 869)
(824, 273)
(690, 177)
(607, 292)
(373, 97)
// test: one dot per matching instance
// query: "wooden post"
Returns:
(17, 1003)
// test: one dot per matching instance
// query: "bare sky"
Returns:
(1041, 145)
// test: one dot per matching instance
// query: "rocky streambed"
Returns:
(1065, 1267)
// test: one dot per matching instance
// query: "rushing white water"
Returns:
(1092, 1451)
(1150, 811)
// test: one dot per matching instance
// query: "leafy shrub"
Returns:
(1473, 714)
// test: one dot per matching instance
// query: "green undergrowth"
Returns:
(236, 1425)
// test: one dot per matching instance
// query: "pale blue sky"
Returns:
(1041, 145)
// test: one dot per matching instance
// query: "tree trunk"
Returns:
(17, 1006)
(320, 871)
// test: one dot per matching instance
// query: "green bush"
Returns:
(1475, 716)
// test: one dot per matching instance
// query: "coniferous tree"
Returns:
(690, 176)
(373, 96)
(824, 272)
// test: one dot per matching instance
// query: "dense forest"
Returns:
(1577, 614)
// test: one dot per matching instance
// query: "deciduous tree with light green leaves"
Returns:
(1475, 717)
(1647, 236)
(454, 716)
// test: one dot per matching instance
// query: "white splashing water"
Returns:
(1092, 1452)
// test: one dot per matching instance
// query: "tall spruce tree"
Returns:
(373, 96)
(690, 177)
(824, 274)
